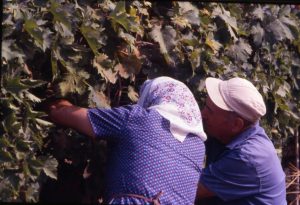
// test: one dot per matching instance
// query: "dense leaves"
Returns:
(98, 53)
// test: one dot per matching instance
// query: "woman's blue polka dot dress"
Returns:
(146, 158)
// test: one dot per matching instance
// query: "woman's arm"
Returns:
(64, 113)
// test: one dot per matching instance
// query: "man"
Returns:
(248, 170)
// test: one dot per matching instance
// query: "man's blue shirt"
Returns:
(248, 172)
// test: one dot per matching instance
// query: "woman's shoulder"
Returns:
(138, 110)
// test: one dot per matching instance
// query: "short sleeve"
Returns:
(109, 123)
(232, 177)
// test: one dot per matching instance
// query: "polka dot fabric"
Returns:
(146, 158)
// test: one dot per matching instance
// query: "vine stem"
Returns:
(84, 81)
(120, 91)
(297, 162)
(145, 43)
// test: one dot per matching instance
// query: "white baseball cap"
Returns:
(238, 95)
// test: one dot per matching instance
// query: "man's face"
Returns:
(217, 122)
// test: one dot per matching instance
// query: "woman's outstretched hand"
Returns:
(64, 113)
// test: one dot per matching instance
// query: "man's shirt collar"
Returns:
(243, 136)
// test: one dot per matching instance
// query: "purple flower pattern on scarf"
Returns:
(178, 95)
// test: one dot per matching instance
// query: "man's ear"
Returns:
(238, 125)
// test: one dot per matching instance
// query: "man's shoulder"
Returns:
(253, 141)
(258, 145)
(258, 152)
(257, 148)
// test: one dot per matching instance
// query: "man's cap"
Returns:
(238, 95)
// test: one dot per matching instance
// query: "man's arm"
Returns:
(203, 192)
(66, 114)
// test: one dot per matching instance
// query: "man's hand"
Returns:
(203, 192)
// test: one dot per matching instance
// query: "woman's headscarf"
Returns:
(174, 101)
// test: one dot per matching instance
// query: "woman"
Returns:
(158, 148)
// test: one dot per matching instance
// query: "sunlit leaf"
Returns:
(31, 115)
(291, 24)
(73, 82)
(142, 7)
(22, 145)
(32, 97)
(121, 71)
(98, 98)
(104, 67)
(54, 65)
(132, 94)
(33, 83)
(14, 180)
(195, 58)
(280, 103)
(42, 37)
(32, 192)
(279, 29)
(61, 13)
(43, 122)
(166, 40)
(229, 21)
(130, 60)
(127, 37)
(107, 5)
(50, 168)
(180, 21)
(5, 156)
(213, 44)
(89, 12)
(37, 163)
(283, 90)
(65, 32)
(190, 40)
(258, 13)
(93, 37)
(14, 85)
(11, 124)
(38, 138)
(258, 34)
(189, 12)
(119, 17)
(8, 52)
(240, 51)
(4, 142)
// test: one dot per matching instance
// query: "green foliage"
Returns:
(97, 52)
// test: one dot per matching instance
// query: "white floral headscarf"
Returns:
(174, 101)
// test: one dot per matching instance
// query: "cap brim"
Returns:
(212, 87)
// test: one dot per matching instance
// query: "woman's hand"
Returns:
(62, 112)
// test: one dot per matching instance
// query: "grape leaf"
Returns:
(279, 30)
(50, 168)
(98, 98)
(134, 96)
(166, 40)
(8, 50)
(240, 51)
(258, 34)
(104, 68)
(93, 37)
(228, 21)
(189, 12)
(73, 82)
(41, 36)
